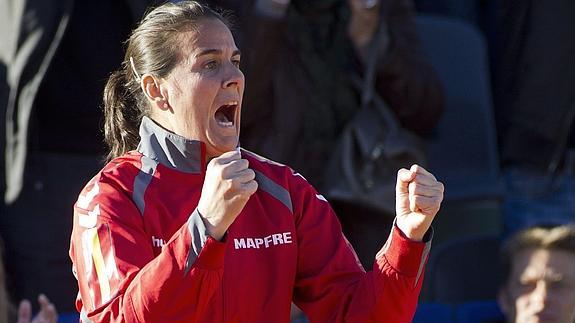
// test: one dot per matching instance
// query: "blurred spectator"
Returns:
(58, 55)
(300, 86)
(308, 96)
(535, 110)
(540, 280)
(47, 313)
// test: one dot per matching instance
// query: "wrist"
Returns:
(214, 230)
(411, 232)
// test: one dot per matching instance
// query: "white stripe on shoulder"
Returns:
(84, 201)
(320, 197)
(91, 219)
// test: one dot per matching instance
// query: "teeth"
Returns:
(221, 116)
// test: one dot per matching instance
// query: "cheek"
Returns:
(572, 317)
(202, 96)
(193, 105)
(569, 304)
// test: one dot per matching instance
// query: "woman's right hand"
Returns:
(228, 185)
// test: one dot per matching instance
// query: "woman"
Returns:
(182, 225)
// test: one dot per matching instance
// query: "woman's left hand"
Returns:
(418, 196)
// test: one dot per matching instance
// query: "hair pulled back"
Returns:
(152, 48)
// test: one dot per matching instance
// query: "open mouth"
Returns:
(225, 114)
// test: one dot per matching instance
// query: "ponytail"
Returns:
(121, 116)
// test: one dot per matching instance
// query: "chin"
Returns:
(217, 150)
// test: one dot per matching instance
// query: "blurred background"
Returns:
(484, 90)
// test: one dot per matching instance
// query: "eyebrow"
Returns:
(216, 52)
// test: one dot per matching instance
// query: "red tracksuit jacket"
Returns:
(140, 251)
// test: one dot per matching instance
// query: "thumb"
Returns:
(24, 312)
(227, 157)
(404, 177)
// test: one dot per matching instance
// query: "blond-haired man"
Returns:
(540, 275)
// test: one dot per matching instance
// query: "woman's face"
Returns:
(205, 89)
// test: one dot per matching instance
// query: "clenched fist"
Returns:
(418, 196)
(228, 185)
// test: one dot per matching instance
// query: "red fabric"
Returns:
(270, 256)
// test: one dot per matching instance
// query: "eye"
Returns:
(525, 285)
(210, 65)
(236, 62)
(556, 285)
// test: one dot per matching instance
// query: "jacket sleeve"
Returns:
(331, 285)
(119, 278)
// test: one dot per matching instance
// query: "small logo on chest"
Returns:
(263, 242)
(158, 242)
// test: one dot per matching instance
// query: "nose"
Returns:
(233, 77)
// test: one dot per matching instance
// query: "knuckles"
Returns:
(225, 170)
(251, 187)
(416, 168)
(441, 186)
(250, 174)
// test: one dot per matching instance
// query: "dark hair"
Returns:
(152, 48)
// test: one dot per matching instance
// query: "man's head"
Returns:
(539, 265)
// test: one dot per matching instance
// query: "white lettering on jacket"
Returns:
(158, 242)
(264, 242)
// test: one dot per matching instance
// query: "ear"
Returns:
(156, 92)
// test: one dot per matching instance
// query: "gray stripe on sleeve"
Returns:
(274, 189)
(199, 236)
(428, 238)
(142, 181)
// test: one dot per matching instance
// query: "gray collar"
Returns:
(169, 149)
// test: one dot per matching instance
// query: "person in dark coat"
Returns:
(535, 110)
